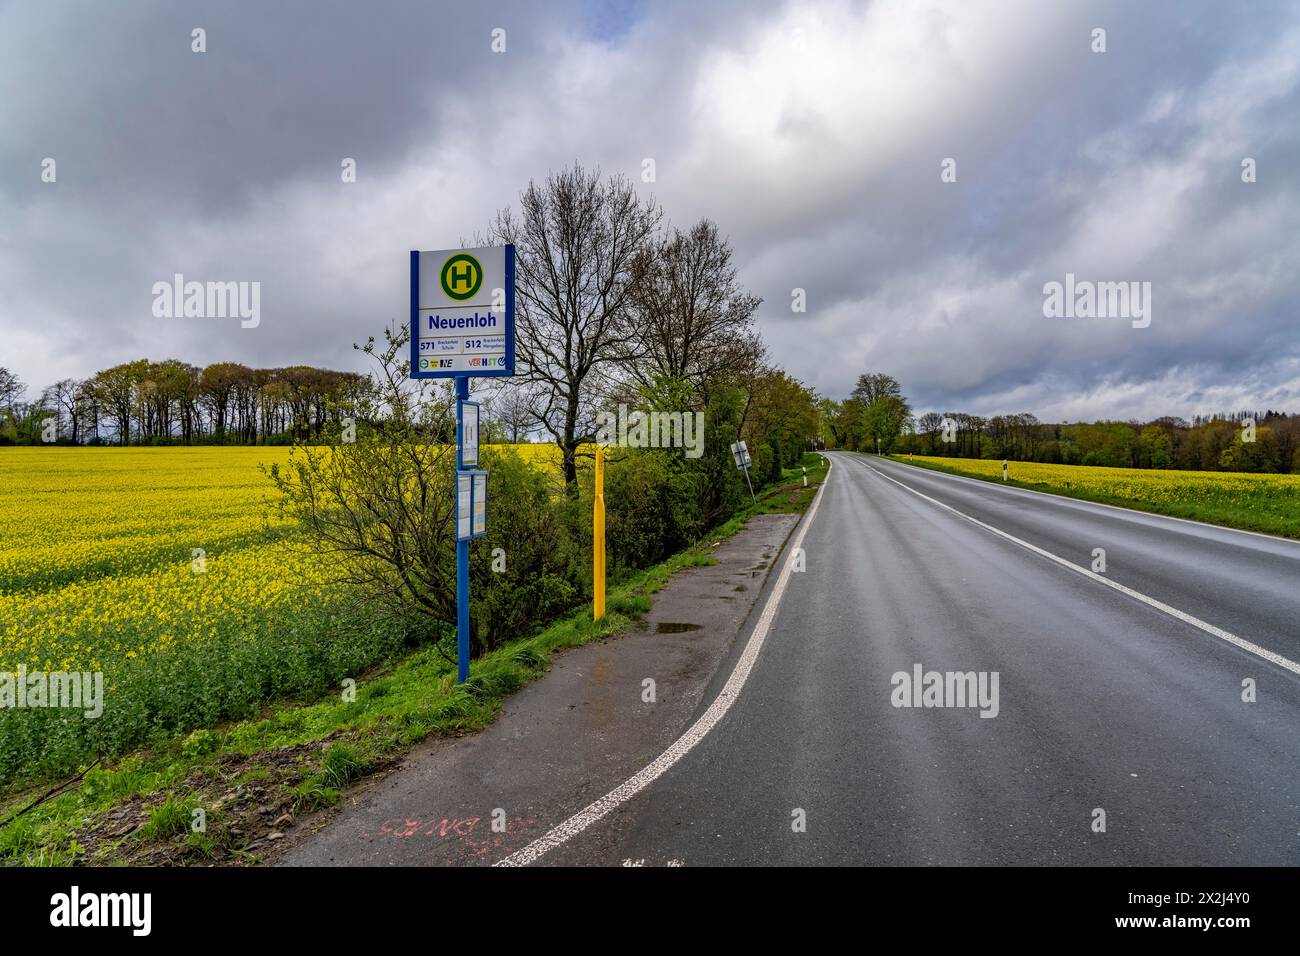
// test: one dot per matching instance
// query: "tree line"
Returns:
(1267, 441)
(876, 416)
(174, 402)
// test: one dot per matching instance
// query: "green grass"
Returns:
(1263, 503)
(300, 756)
(168, 819)
(790, 495)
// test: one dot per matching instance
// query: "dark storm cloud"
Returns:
(282, 89)
(812, 132)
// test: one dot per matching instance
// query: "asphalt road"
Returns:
(1104, 702)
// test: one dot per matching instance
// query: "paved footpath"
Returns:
(567, 738)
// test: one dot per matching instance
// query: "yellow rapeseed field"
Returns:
(108, 554)
(1268, 503)
(169, 571)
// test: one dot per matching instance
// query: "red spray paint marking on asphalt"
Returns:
(460, 829)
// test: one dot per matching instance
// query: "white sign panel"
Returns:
(462, 312)
(480, 504)
(462, 340)
(464, 497)
(741, 454)
(469, 433)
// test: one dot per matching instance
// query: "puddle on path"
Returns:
(673, 627)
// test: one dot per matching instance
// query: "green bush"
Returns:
(201, 742)
(761, 463)
(535, 575)
(636, 521)
(777, 471)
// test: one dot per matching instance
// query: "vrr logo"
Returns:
(461, 276)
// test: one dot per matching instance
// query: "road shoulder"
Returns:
(563, 740)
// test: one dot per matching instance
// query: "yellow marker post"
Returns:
(598, 540)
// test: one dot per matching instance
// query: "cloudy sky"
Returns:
(812, 132)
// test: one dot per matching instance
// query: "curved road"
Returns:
(1104, 701)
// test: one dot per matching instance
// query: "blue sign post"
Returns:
(462, 543)
(462, 326)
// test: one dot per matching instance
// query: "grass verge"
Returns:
(227, 795)
(1230, 502)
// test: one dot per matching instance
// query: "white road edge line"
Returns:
(563, 832)
(1183, 616)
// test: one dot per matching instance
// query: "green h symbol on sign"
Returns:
(461, 276)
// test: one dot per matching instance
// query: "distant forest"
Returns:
(173, 402)
(1219, 442)
(877, 416)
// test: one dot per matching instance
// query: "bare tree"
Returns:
(580, 248)
(64, 397)
(217, 385)
(696, 323)
(513, 408)
(11, 389)
(930, 425)
(86, 415)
